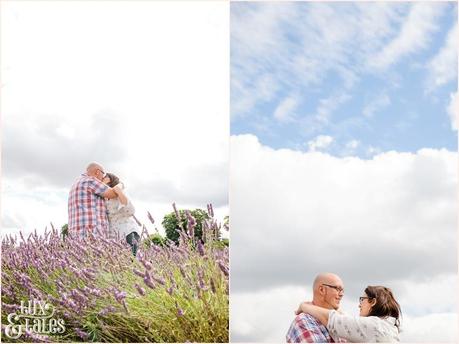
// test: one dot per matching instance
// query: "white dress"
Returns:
(358, 329)
(120, 218)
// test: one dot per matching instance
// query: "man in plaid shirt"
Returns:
(327, 292)
(87, 212)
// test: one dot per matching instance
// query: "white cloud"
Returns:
(443, 66)
(256, 32)
(453, 110)
(376, 104)
(297, 46)
(415, 34)
(353, 144)
(328, 105)
(285, 111)
(350, 148)
(370, 221)
(265, 315)
(371, 151)
(438, 328)
(321, 142)
(145, 94)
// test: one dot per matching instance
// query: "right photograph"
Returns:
(344, 171)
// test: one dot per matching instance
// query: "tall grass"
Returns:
(174, 293)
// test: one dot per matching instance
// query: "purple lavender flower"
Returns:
(177, 214)
(201, 248)
(83, 335)
(223, 268)
(107, 310)
(140, 289)
(95, 291)
(152, 220)
(36, 338)
(89, 274)
(201, 284)
(180, 312)
(138, 273)
(160, 280)
(170, 290)
(146, 264)
(191, 223)
(119, 295)
(210, 210)
(149, 282)
(137, 220)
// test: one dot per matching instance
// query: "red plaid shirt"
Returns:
(87, 211)
(307, 329)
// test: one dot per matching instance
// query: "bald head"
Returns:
(95, 170)
(326, 278)
(326, 290)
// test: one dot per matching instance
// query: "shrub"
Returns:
(155, 239)
(174, 293)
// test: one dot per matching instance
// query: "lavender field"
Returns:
(98, 292)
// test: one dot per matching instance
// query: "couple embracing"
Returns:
(98, 206)
(320, 321)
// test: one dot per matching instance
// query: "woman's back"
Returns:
(120, 217)
(358, 329)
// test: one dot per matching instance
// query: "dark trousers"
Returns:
(133, 239)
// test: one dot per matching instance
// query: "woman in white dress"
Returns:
(120, 214)
(379, 320)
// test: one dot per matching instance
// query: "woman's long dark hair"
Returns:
(385, 305)
(114, 180)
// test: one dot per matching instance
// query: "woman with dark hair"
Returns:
(120, 214)
(379, 319)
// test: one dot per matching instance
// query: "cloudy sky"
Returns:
(343, 159)
(141, 87)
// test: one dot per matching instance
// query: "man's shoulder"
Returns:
(90, 180)
(307, 319)
(307, 329)
(83, 178)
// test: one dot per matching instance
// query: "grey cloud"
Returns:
(358, 264)
(38, 154)
(200, 185)
(9, 221)
(380, 221)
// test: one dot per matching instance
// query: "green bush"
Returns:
(155, 239)
(172, 226)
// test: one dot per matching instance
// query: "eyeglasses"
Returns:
(361, 298)
(338, 289)
(103, 173)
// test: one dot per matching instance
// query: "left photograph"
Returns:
(114, 171)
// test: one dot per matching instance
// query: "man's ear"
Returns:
(321, 289)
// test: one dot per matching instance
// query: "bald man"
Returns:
(327, 293)
(87, 211)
